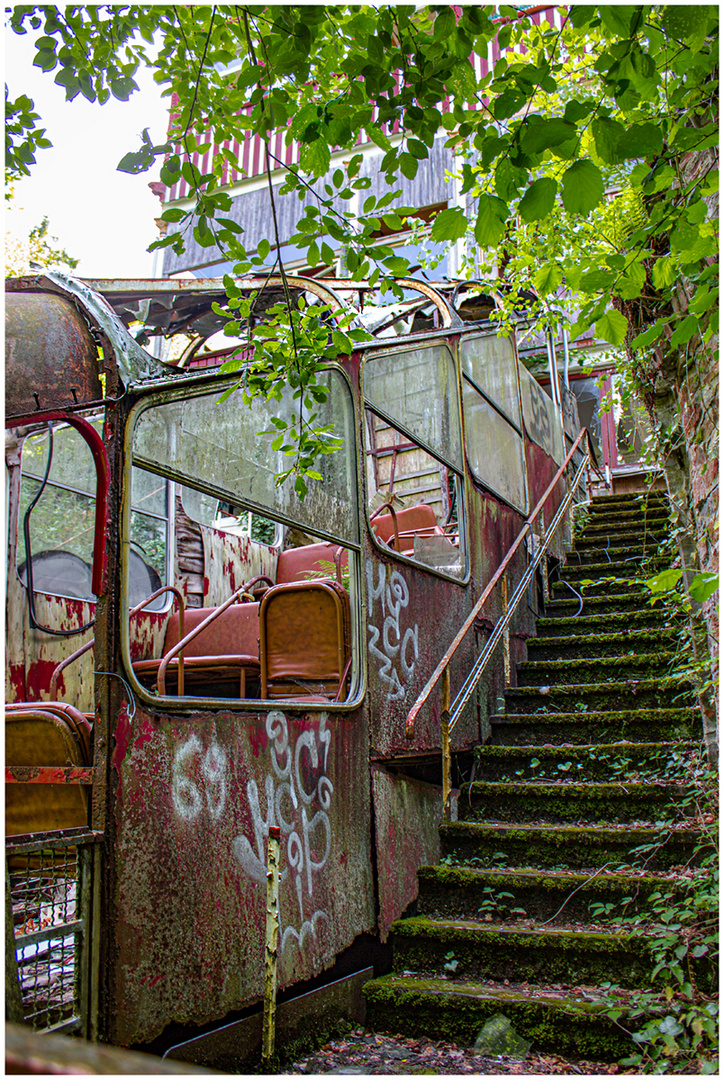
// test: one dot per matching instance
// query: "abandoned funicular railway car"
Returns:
(195, 654)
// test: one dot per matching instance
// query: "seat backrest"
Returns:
(37, 737)
(297, 564)
(233, 632)
(305, 639)
(412, 520)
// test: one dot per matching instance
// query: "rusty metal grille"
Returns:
(49, 900)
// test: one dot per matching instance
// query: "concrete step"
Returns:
(579, 644)
(604, 572)
(572, 801)
(659, 693)
(596, 552)
(626, 598)
(557, 897)
(589, 726)
(567, 1022)
(609, 514)
(651, 619)
(605, 762)
(595, 669)
(480, 845)
(476, 952)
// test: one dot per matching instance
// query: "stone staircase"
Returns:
(515, 918)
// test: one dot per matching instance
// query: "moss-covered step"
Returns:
(565, 847)
(596, 669)
(634, 693)
(612, 515)
(621, 600)
(651, 618)
(456, 1012)
(632, 538)
(561, 897)
(570, 801)
(624, 568)
(651, 497)
(593, 726)
(597, 552)
(599, 643)
(473, 951)
(604, 761)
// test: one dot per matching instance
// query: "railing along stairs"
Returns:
(451, 712)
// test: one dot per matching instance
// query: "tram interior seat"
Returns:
(46, 734)
(305, 641)
(221, 661)
(412, 521)
(227, 658)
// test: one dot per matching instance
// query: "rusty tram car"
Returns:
(195, 654)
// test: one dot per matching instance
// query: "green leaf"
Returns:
(173, 214)
(490, 224)
(539, 199)
(684, 331)
(544, 134)
(648, 336)
(450, 225)
(665, 581)
(640, 141)
(607, 134)
(408, 166)
(582, 188)
(508, 103)
(664, 273)
(632, 283)
(548, 279)
(612, 327)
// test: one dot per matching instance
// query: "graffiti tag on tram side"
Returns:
(191, 798)
(395, 651)
(297, 798)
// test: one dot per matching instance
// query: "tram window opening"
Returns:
(414, 457)
(265, 583)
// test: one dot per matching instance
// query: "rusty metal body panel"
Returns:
(194, 801)
(186, 790)
(52, 354)
(399, 801)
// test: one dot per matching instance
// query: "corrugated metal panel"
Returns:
(252, 158)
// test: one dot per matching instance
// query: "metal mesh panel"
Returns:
(47, 895)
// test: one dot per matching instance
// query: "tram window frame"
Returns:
(87, 493)
(440, 441)
(211, 389)
(473, 394)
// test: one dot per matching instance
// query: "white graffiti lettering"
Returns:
(186, 792)
(291, 790)
(403, 647)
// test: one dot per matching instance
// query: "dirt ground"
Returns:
(373, 1053)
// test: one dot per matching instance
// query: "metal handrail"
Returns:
(443, 666)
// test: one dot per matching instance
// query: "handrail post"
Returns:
(506, 638)
(544, 561)
(271, 944)
(445, 731)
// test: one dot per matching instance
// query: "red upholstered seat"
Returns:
(219, 661)
(411, 522)
(311, 561)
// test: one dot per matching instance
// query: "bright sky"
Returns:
(100, 216)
